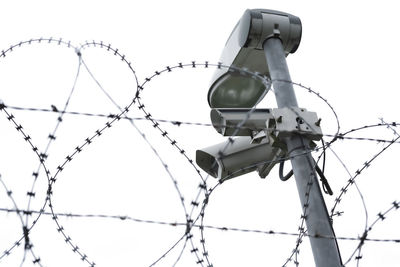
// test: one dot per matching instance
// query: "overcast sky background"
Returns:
(348, 53)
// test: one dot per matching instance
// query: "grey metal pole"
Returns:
(325, 250)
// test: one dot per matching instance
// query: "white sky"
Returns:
(348, 54)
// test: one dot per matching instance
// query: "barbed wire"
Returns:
(213, 227)
(363, 238)
(198, 204)
(28, 245)
(173, 179)
(178, 123)
(28, 139)
(358, 172)
(69, 158)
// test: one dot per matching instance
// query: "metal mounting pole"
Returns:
(325, 250)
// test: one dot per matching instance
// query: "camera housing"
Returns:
(239, 156)
(240, 122)
(244, 50)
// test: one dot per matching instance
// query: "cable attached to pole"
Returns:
(325, 185)
(288, 175)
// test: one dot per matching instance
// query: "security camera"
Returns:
(244, 50)
(239, 156)
(237, 87)
(240, 121)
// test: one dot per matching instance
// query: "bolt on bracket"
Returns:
(293, 120)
